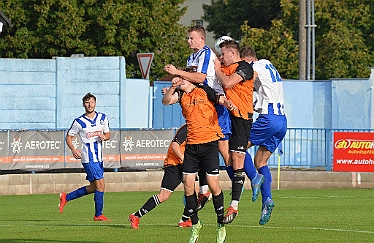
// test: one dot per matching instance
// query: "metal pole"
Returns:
(313, 44)
(308, 41)
(302, 40)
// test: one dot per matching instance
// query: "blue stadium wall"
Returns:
(330, 104)
(47, 93)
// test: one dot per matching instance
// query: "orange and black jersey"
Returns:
(241, 94)
(200, 114)
(180, 137)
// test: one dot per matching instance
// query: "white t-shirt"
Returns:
(89, 131)
(203, 60)
(269, 88)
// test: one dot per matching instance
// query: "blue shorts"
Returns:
(94, 170)
(268, 130)
(224, 120)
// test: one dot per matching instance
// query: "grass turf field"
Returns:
(332, 215)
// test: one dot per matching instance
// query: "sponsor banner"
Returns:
(144, 149)
(111, 152)
(36, 150)
(46, 150)
(4, 165)
(353, 151)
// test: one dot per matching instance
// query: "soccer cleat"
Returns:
(221, 233)
(185, 224)
(134, 221)
(63, 201)
(230, 215)
(268, 206)
(100, 218)
(256, 186)
(203, 199)
(195, 230)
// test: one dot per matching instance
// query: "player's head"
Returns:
(196, 37)
(218, 42)
(190, 69)
(248, 54)
(185, 84)
(88, 96)
(89, 102)
(230, 51)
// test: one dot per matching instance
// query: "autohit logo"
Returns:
(16, 145)
(354, 144)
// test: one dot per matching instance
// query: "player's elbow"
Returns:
(165, 102)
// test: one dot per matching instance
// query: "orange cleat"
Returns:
(100, 218)
(230, 215)
(134, 221)
(185, 224)
(63, 202)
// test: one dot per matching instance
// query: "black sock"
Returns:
(218, 206)
(148, 206)
(186, 214)
(237, 184)
(191, 203)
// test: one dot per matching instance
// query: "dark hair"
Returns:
(190, 69)
(230, 44)
(198, 28)
(88, 96)
(247, 52)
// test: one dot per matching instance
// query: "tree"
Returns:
(342, 47)
(46, 28)
(226, 16)
(344, 39)
(278, 44)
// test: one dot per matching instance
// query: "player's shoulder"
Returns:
(243, 63)
(102, 116)
(101, 113)
(208, 51)
(262, 62)
(79, 118)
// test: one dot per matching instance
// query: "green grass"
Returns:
(333, 215)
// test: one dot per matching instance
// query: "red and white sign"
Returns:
(353, 151)
(145, 60)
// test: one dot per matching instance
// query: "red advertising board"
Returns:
(353, 151)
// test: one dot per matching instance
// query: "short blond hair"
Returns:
(199, 29)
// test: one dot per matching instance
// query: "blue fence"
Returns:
(309, 148)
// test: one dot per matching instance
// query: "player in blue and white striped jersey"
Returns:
(270, 127)
(93, 129)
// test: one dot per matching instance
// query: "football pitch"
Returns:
(321, 215)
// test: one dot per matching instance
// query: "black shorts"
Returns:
(173, 176)
(201, 156)
(241, 129)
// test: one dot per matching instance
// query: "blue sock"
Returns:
(266, 186)
(99, 203)
(230, 172)
(80, 192)
(249, 167)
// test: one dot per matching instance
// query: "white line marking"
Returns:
(211, 225)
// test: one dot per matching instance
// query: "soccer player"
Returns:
(236, 77)
(201, 153)
(93, 129)
(270, 127)
(172, 178)
(202, 59)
